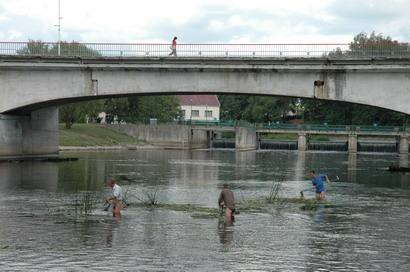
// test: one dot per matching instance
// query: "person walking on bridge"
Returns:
(226, 200)
(173, 47)
(318, 184)
(115, 199)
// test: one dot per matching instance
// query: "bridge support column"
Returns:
(352, 143)
(245, 139)
(404, 144)
(302, 142)
(33, 135)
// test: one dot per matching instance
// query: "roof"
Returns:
(199, 100)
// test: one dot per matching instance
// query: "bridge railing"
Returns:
(74, 49)
(284, 126)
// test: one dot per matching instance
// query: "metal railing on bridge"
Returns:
(301, 127)
(341, 128)
(74, 49)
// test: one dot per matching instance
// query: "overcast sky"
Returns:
(204, 21)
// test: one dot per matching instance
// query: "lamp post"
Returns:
(59, 28)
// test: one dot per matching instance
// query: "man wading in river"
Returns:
(115, 199)
(226, 200)
(317, 182)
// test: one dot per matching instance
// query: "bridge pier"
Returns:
(403, 144)
(32, 135)
(352, 143)
(302, 142)
(245, 139)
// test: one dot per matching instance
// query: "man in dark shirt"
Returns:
(227, 201)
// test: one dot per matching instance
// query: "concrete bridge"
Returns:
(32, 87)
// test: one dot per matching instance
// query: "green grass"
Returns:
(92, 135)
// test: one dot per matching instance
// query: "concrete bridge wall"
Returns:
(33, 83)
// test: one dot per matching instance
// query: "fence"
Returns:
(74, 49)
(304, 127)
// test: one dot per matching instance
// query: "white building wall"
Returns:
(201, 109)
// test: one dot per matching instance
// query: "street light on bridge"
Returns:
(59, 28)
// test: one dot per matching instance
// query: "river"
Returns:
(365, 229)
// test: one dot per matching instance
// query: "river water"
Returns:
(365, 229)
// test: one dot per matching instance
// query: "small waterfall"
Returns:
(223, 143)
(287, 145)
(377, 147)
(327, 146)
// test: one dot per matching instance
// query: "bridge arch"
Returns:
(31, 83)
(35, 85)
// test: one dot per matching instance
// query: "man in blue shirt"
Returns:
(317, 182)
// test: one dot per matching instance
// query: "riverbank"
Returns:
(96, 137)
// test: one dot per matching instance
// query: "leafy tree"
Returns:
(35, 48)
(71, 49)
(139, 109)
(255, 109)
(343, 113)
(69, 114)
(164, 108)
(117, 108)
(80, 112)
(377, 45)
(373, 45)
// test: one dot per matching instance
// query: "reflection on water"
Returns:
(352, 167)
(225, 232)
(366, 229)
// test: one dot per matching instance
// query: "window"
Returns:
(208, 114)
(195, 113)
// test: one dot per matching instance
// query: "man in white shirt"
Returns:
(116, 198)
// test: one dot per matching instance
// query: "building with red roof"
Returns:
(199, 107)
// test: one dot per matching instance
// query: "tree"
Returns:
(69, 114)
(373, 45)
(80, 112)
(376, 45)
(139, 109)
(70, 49)
(255, 109)
(164, 108)
(73, 49)
(117, 108)
(35, 48)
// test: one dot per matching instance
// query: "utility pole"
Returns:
(59, 28)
